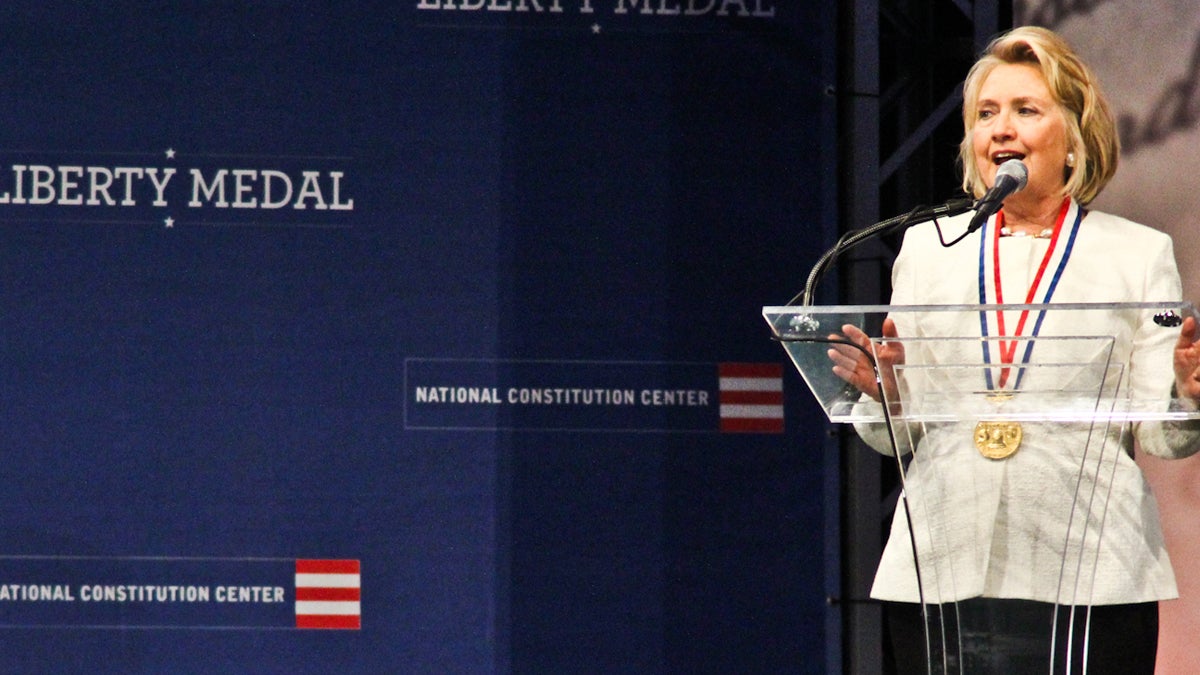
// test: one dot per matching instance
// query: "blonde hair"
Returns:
(1091, 129)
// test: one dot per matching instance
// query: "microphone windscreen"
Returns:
(1015, 169)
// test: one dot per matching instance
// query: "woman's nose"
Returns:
(1002, 127)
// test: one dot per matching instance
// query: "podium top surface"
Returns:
(1074, 366)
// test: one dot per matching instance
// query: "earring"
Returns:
(1070, 159)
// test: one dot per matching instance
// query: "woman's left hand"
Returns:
(1187, 362)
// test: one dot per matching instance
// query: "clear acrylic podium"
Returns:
(985, 445)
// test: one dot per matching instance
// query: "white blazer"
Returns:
(998, 528)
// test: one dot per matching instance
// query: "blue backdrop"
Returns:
(439, 291)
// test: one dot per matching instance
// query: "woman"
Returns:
(1002, 519)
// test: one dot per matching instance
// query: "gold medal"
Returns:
(997, 440)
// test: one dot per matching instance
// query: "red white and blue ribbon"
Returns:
(1040, 291)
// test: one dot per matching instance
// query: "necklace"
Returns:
(1044, 234)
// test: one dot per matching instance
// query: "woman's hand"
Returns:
(852, 364)
(1187, 362)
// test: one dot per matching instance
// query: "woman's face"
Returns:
(1017, 118)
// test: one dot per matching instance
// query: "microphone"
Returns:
(1010, 177)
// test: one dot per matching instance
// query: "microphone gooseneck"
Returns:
(918, 215)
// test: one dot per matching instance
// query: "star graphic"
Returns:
(170, 153)
(169, 222)
(595, 29)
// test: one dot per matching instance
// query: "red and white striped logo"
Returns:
(328, 594)
(751, 397)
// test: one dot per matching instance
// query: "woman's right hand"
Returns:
(852, 364)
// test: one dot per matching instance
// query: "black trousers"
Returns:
(989, 635)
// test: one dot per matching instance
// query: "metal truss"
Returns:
(899, 95)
